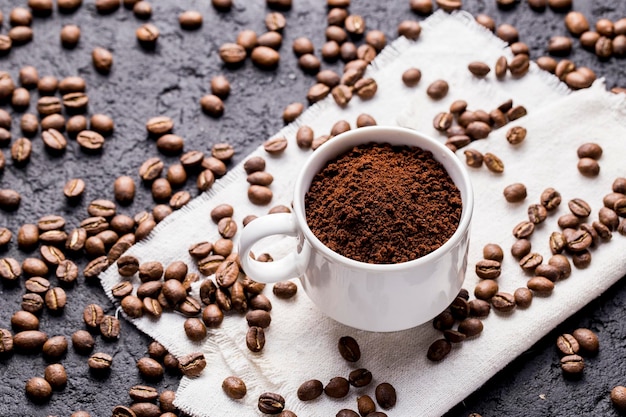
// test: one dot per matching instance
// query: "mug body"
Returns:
(383, 297)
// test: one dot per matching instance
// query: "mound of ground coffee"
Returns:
(383, 204)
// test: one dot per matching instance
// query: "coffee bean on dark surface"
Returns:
(234, 387)
(572, 365)
(56, 375)
(364, 235)
(587, 340)
(38, 389)
(82, 341)
(150, 368)
(567, 344)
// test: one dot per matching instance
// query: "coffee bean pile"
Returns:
(338, 387)
(578, 235)
(582, 341)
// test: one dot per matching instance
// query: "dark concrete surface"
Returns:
(169, 81)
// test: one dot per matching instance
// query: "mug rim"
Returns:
(301, 188)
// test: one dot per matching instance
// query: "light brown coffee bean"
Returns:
(523, 297)
(515, 193)
(437, 89)
(234, 387)
(503, 302)
(493, 163)
(587, 340)
(550, 199)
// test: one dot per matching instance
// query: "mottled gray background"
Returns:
(169, 81)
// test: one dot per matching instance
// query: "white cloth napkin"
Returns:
(302, 342)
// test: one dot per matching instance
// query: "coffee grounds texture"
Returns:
(383, 204)
(170, 80)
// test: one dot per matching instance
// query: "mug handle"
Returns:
(291, 266)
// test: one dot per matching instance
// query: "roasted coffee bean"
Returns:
(76, 239)
(530, 261)
(260, 178)
(255, 339)
(562, 263)
(548, 271)
(550, 199)
(516, 135)
(253, 164)
(93, 315)
(100, 361)
(386, 395)
(38, 389)
(23, 320)
(292, 111)
(588, 167)
(488, 269)
(515, 193)
(468, 327)
(271, 403)
(174, 291)
(189, 307)
(608, 217)
(285, 289)
(581, 259)
(493, 251)
(587, 340)
(479, 69)
(523, 229)
(132, 306)
(55, 299)
(437, 90)
(567, 344)
(122, 289)
(310, 390)
(102, 60)
(212, 316)
(33, 303)
(444, 320)
(194, 329)
(149, 368)
(110, 327)
(349, 349)
(473, 158)
(618, 398)
(540, 285)
(82, 341)
(572, 365)
(337, 387)
(537, 213)
(579, 208)
(503, 302)
(141, 393)
(438, 350)
(411, 77)
(493, 163)
(21, 150)
(10, 269)
(6, 341)
(485, 289)
(479, 308)
(37, 285)
(568, 221)
(365, 405)
(192, 364)
(234, 387)
(55, 347)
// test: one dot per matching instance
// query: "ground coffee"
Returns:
(383, 204)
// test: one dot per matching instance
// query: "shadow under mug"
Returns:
(373, 297)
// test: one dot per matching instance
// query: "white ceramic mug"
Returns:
(375, 297)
